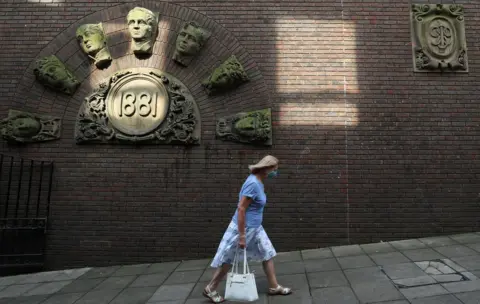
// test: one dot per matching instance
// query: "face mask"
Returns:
(273, 174)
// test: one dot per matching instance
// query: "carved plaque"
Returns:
(139, 105)
(227, 76)
(438, 38)
(253, 127)
(24, 127)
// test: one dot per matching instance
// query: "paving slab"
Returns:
(82, 285)
(116, 282)
(13, 291)
(438, 241)
(289, 268)
(334, 295)
(47, 288)
(475, 246)
(294, 298)
(423, 291)
(466, 238)
(408, 244)
(348, 250)
(181, 277)
(129, 270)
(4, 281)
(68, 298)
(368, 274)
(394, 302)
(422, 254)
(453, 265)
(327, 279)
(293, 256)
(150, 280)
(313, 254)
(70, 274)
(193, 265)
(469, 262)
(464, 286)
(455, 251)
(443, 299)
(358, 261)
(321, 265)
(412, 282)
(136, 295)
(403, 271)
(389, 258)
(100, 272)
(378, 248)
(380, 291)
(469, 297)
(102, 296)
(162, 267)
(171, 292)
(24, 300)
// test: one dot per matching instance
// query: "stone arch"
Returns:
(32, 96)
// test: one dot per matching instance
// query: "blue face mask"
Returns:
(273, 174)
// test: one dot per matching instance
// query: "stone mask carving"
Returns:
(228, 76)
(143, 28)
(93, 42)
(26, 127)
(189, 42)
(53, 73)
(247, 127)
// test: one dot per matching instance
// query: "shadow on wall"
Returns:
(369, 151)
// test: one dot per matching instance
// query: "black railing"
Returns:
(25, 190)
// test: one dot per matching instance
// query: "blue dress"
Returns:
(259, 247)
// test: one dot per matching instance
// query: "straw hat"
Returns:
(267, 161)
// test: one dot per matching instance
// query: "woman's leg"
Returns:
(274, 287)
(269, 269)
(218, 276)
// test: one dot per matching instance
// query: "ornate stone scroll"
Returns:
(253, 127)
(140, 105)
(189, 42)
(228, 76)
(93, 41)
(438, 38)
(24, 127)
(143, 28)
(54, 74)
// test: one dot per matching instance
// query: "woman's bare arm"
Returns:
(242, 208)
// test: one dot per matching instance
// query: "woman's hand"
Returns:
(242, 242)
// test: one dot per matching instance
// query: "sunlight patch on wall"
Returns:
(48, 2)
(316, 58)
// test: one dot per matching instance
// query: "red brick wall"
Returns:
(369, 150)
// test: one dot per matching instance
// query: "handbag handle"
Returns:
(246, 269)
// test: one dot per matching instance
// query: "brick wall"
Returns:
(369, 150)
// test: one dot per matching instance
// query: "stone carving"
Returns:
(53, 73)
(141, 105)
(24, 127)
(189, 42)
(143, 28)
(438, 38)
(93, 41)
(229, 75)
(247, 127)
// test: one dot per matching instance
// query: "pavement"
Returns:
(436, 270)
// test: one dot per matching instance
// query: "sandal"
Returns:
(213, 295)
(280, 290)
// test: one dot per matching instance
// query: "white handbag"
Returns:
(241, 287)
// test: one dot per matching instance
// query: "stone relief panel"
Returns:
(24, 127)
(253, 127)
(141, 105)
(190, 41)
(143, 29)
(54, 74)
(228, 76)
(93, 42)
(438, 38)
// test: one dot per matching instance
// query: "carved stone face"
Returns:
(228, 75)
(91, 38)
(188, 41)
(140, 24)
(51, 72)
(25, 127)
(251, 127)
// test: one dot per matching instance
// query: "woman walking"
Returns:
(246, 231)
